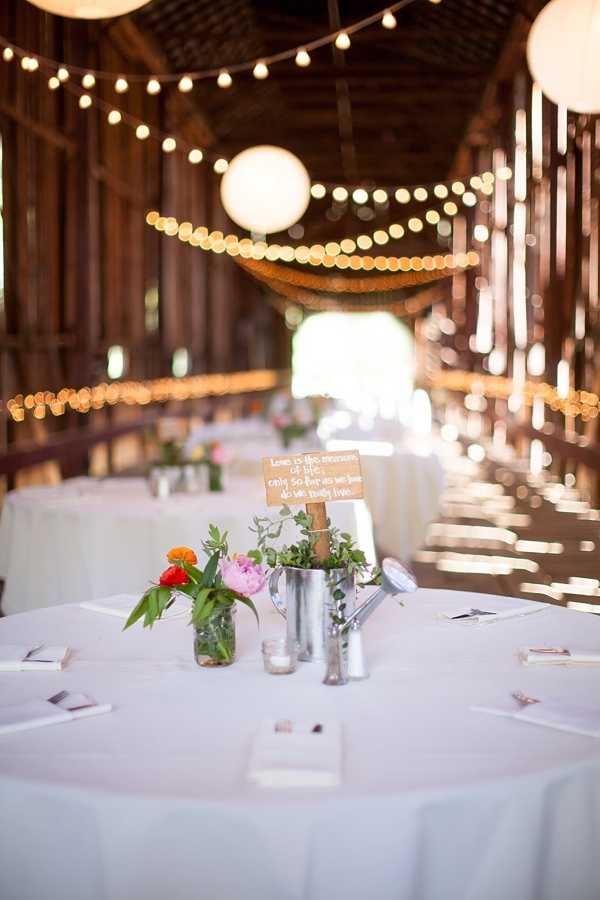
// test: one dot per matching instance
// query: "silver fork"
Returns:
(283, 725)
(56, 698)
(523, 700)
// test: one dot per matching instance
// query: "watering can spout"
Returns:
(395, 579)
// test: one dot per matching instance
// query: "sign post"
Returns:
(314, 479)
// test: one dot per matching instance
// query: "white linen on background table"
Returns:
(435, 801)
(115, 537)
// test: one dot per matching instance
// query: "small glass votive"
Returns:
(280, 656)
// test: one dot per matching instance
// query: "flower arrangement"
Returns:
(217, 456)
(291, 418)
(213, 593)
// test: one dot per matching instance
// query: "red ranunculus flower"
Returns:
(173, 575)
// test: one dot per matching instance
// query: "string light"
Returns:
(142, 132)
(114, 117)
(185, 84)
(302, 58)
(88, 81)
(220, 166)
(140, 393)
(7, 54)
(195, 156)
(53, 83)
(224, 80)
(121, 85)
(260, 70)
(342, 41)
(388, 20)
(63, 74)
(85, 101)
(169, 144)
(153, 86)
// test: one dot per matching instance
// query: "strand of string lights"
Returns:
(330, 256)
(222, 74)
(59, 77)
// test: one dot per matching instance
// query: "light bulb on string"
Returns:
(388, 20)
(342, 41)
(85, 101)
(114, 117)
(185, 84)
(302, 58)
(88, 81)
(142, 132)
(220, 166)
(153, 86)
(195, 156)
(260, 70)
(169, 144)
(63, 74)
(318, 191)
(121, 85)
(8, 54)
(224, 80)
(53, 83)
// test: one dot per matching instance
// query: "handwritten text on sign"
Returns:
(313, 477)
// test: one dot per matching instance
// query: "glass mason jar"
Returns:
(214, 637)
(215, 477)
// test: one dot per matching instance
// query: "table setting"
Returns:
(413, 750)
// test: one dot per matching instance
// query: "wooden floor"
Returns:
(502, 531)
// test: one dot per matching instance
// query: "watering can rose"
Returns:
(242, 575)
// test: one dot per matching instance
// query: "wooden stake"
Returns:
(319, 524)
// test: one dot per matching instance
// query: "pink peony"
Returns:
(220, 455)
(281, 421)
(242, 575)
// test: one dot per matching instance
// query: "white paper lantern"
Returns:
(89, 9)
(563, 53)
(265, 189)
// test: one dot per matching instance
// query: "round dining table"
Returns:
(89, 538)
(435, 798)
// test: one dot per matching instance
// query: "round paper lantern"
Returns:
(265, 189)
(563, 50)
(89, 9)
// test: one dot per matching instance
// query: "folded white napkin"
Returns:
(36, 712)
(12, 658)
(566, 715)
(496, 608)
(122, 605)
(546, 657)
(298, 758)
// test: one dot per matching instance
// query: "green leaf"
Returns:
(137, 612)
(249, 603)
(208, 576)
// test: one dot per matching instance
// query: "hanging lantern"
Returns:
(563, 50)
(89, 9)
(265, 189)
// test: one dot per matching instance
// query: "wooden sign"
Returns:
(311, 478)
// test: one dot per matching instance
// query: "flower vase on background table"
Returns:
(215, 477)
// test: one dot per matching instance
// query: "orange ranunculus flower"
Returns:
(183, 553)
(173, 575)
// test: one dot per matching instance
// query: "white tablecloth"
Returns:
(403, 494)
(437, 802)
(87, 539)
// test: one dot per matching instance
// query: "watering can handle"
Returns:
(273, 583)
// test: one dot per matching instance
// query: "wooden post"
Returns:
(319, 524)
